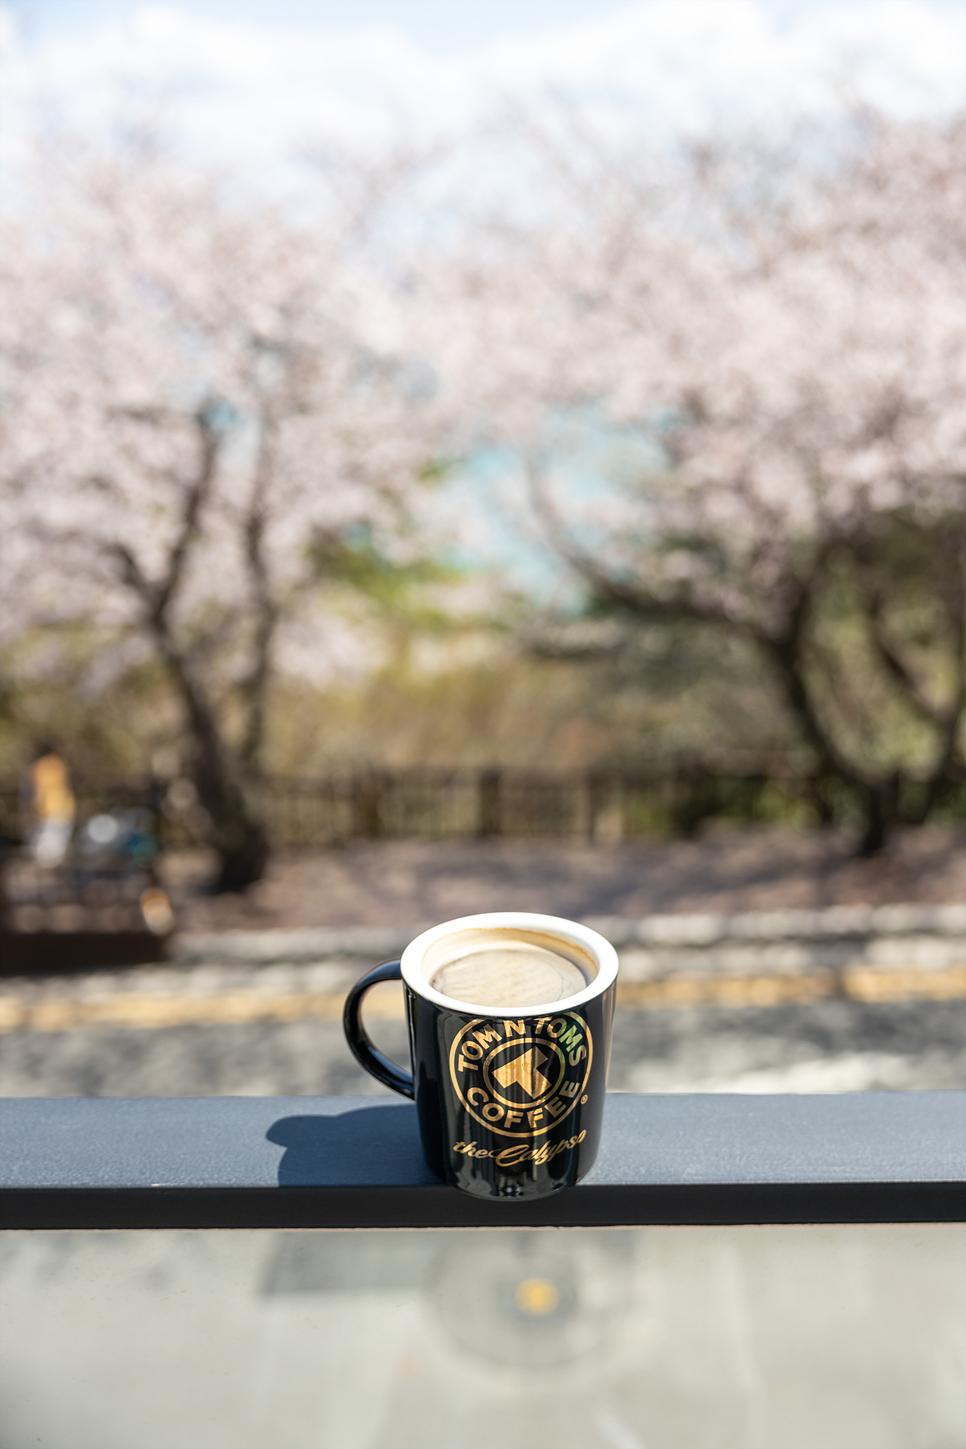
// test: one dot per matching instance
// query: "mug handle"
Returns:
(365, 1053)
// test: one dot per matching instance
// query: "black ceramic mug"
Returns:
(510, 1100)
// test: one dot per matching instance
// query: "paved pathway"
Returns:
(845, 999)
(831, 1044)
(404, 882)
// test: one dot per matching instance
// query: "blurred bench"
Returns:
(78, 916)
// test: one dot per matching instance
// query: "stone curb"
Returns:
(267, 947)
(838, 923)
(847, 926)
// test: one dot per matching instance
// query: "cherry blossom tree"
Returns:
(209, 420)
(783, 322)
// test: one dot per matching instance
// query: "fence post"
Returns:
(367, 793)
(595, 795)
(606, 802)
(489, 817)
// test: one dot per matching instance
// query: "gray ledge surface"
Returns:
(357, 1161)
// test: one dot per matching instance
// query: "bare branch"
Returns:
(626, 595)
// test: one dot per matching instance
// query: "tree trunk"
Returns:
(230, 799)
(243, 851)
(879, 799)
(874, 835)
(881, 814)
(237, 830)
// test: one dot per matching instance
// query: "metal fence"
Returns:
(464, 804)
(605, 806)
(594, 806)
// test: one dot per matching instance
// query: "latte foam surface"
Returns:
(511, 975)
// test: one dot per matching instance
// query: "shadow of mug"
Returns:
(363, 1147)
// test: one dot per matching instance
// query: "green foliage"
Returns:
(109, 720)
(399, 589)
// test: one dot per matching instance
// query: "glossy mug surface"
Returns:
(509, 1088)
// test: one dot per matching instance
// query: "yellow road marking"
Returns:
(131, 1012)
(736, 991)
(865, 983)
(153, 1012)
(860, 983)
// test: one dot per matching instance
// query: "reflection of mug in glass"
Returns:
(509, 1025)
(539, 1299)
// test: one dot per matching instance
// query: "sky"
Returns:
(250, 80)
(440, 26)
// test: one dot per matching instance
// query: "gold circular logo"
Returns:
(520, 1078)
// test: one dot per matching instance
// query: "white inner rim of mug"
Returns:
(578, 944)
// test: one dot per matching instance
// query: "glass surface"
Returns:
(681, 1338)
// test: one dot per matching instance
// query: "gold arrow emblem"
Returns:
(524, 1071)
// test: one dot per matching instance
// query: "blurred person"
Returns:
(51, 806)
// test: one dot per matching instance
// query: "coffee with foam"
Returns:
(507, 974)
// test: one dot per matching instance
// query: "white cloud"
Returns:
(248, 91)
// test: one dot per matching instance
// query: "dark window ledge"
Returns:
(341, 1162)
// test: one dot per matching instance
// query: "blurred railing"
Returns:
(604, 806)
